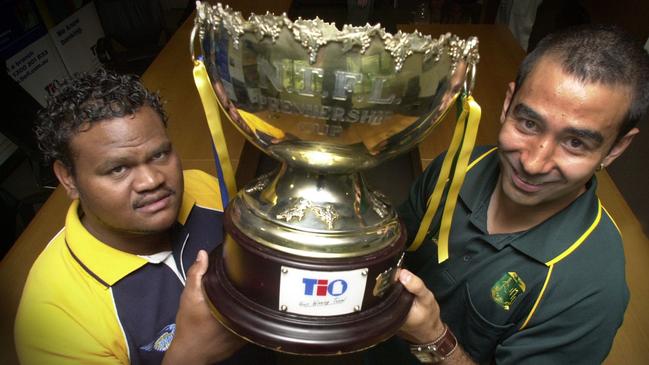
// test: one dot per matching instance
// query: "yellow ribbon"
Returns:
(466, 130)
(211, 107)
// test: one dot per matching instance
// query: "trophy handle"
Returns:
(192, 39)
(469, 80)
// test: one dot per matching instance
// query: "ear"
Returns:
(509, 95)
(65, 177)
(620, 146)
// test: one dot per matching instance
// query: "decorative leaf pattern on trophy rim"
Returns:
(315, 33)
(309, 33)
(267, 25)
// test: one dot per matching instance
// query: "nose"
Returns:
(538, 158)
(147, 178)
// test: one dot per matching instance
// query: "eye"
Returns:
(528, 124)
(575, 143)
(117, 170)
(160, 155)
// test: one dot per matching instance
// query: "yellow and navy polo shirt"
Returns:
(85, 302)
(554, 294)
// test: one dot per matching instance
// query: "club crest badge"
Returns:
(506, 289)
(163, 341)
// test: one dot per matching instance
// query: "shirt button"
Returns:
(466, 258)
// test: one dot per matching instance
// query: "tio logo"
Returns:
(323, 287)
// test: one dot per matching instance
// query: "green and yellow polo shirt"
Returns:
(85, 302)
(554, 294)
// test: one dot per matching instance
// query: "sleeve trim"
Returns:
(538, 299)
(475, 162)
(612, 220)
(581, 239)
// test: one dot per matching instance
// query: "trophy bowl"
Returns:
(311, 253)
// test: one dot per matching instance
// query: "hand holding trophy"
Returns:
(311, 254)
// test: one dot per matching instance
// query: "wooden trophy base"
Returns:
(242, 284)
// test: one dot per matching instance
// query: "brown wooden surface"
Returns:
(171, 75)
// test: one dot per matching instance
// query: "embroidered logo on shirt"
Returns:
(162, 343)
(506, 289)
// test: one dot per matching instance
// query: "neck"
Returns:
(507, 216)
(137, 243)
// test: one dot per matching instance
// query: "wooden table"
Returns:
(171, 75)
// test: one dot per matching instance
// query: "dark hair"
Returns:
(598, 54)
(85, 99)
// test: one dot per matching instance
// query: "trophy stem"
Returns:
(299, 211)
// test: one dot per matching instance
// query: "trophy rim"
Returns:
(308, 40)
(400, 45)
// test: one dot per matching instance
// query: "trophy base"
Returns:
(251, 316)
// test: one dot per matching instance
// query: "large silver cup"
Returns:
(310, 260)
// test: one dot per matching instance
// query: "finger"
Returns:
(196, 272)
(413, 283)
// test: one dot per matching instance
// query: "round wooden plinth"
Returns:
(242, 284)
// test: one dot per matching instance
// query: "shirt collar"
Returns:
(562, 233)
(105, 263)
(548, 242)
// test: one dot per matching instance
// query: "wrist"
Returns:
(431, 333)
(438, 330)
(437, 350)
(177, 353)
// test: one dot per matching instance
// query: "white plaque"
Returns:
(321, 293)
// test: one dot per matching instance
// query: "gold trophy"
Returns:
(311, 255)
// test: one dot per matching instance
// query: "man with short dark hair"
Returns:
(536, 267)
(107, 288)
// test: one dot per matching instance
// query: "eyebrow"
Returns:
(522, 110)
(587, 133)
(124, 160)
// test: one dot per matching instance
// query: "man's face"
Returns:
(127, 177)
(556, 130)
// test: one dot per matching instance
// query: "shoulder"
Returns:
(601, 254)
(63, 311)
(203, 188)
(50, 261)
(592, 277)
(72, 285)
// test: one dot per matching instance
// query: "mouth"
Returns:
(154, 203)
(526, 185)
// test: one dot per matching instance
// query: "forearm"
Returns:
(458, 357)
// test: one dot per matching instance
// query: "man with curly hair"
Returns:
(111, 286)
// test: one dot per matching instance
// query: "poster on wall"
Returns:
(75, 38)
(37, 67)
(29, 54)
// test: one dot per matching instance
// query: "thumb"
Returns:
(412, 283)
(198, 269)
